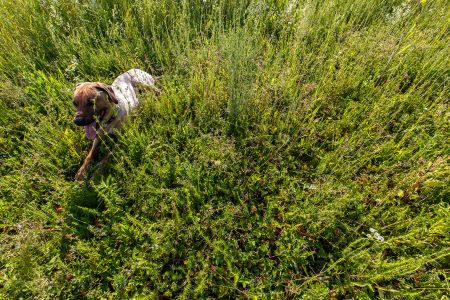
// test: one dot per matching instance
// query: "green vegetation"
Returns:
(300, 149)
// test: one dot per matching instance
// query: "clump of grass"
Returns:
(299, 150)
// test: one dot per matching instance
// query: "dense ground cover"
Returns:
(299, 149)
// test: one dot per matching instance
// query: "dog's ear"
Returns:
(107, 89)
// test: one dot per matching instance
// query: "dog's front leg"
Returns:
(87, 160)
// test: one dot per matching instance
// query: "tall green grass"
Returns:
(299, 150)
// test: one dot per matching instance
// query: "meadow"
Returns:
(299, 150)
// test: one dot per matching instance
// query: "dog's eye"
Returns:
(74, 103)
(91, 102)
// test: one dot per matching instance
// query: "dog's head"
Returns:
(92, 101)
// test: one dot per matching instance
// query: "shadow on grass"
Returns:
(83, 210)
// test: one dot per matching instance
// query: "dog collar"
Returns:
(114, 113)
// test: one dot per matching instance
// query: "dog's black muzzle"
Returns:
(81, 121)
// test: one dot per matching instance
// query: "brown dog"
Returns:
(101, 108)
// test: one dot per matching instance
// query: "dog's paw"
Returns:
(79, 174)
